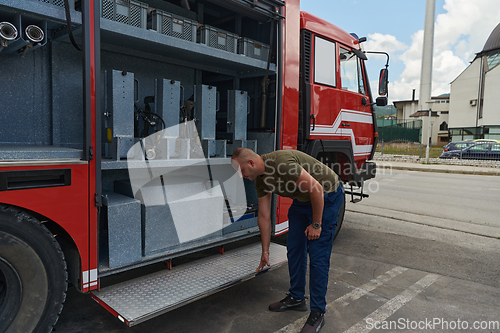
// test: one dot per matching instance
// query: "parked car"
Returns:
(465, 143)
(477, 151)
(457, 145)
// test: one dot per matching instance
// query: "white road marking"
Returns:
(352, 296)
(394, 304)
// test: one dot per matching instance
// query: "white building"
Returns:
(474, 107)
(408, 111)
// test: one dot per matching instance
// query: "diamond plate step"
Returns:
(146, 297)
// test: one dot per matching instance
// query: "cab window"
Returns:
(351, 74)
(324, 62)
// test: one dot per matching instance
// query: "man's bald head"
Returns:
(248, 162)
(244, 154)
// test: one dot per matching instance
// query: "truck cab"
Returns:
(336, 122)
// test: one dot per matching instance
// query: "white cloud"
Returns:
(388, 43)
(460, 33)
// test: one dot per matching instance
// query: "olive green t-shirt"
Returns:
(282, 170)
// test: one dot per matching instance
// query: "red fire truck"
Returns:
(118, 121)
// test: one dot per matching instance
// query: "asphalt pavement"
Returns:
(419, 255)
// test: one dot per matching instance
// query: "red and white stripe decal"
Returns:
(89, 278)
(336, 129)
(281, 228)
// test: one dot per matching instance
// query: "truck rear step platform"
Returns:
(138, 300)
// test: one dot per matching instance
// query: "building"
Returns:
(475, 111)
(408, 112)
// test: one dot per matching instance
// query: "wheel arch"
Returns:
(337, 154)
(65, 241)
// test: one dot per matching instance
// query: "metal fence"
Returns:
(394, 130)
(472, 150)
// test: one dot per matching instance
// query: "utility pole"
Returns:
(426, 72)
(429, 133)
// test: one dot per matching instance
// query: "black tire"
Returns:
(340, 219)
(33, 275)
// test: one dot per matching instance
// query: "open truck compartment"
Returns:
(119, 120)
(180, 90)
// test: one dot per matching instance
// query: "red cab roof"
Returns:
(327, 30)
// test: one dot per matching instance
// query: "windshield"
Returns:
(351, 73)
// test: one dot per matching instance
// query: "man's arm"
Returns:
(306, 182)
(265, 227)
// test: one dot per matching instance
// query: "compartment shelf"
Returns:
(184, 52)
(40, 9)
(122, 38)
(23, 153)
(107, 164)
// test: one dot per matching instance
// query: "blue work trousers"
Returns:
(300, 217)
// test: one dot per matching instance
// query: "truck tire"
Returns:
(33, 276)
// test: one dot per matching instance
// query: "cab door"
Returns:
(324, 82)
(356, 116)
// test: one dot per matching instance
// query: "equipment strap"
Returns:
(68, 25)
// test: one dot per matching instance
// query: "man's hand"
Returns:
(312, 233)
(264, 261)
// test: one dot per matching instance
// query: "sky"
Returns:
(397, 27)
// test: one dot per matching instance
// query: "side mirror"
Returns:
(381, 101)
(383, 82)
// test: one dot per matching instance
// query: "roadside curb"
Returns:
(443, 169)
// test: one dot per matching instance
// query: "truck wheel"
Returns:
(340, 219)
(33, 276)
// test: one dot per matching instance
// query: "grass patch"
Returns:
(409, 149)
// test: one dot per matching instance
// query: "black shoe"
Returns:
(314, 323)
(289, 303)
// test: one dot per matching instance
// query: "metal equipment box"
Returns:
(60, 3)
(253, 49)
(130, 12)
(172, 25)
(237, 113)
(124, 229)
(218, 38)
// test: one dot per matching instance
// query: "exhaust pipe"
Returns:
(35, 35)
(8, 32)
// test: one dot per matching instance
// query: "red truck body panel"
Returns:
(68, 206)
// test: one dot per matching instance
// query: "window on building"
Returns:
(350, 72)
(493, 60)
(443, 126)
(324, 62)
